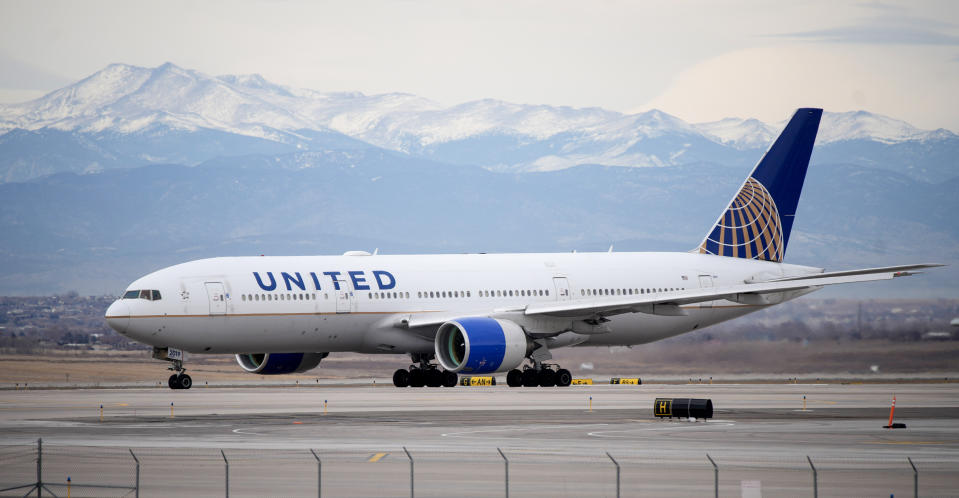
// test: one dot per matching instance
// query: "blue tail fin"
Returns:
(757, 223)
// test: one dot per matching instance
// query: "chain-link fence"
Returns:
(44, 470)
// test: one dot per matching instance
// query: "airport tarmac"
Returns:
(556, 440)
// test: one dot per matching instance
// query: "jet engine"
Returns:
(480, 345)
(279, 363)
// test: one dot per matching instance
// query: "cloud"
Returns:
(770, 82)
(876, 35)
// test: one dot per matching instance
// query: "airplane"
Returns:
(478, 314)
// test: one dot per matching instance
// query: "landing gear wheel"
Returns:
(401, 378)
(514, 378)
(547, 378)
(185, 381)
(417, 377)
(530, 378)
(172, 382)
(449, 379)
(434, 378)
(563, 377)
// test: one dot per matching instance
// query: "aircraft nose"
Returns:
(118, 316)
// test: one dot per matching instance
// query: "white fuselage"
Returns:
(355, 302)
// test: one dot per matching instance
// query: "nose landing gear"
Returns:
(179, 380)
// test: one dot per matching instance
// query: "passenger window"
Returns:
(547, 292)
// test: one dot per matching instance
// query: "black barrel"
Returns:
(683, 408)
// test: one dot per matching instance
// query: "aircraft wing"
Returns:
(669, 303)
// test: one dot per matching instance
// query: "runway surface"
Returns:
(556, 445)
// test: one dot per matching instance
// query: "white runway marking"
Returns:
(663, 427)
(515, 429)
(246, 433)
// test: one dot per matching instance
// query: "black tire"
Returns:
(547, 378)
(401, 378)
(172, 382)
(563, 377)
(450, 379)
(434, 378)
(417, 377)
(185, 381)
(514, 378)
(530, 378)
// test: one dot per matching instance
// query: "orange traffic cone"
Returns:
(892, 411)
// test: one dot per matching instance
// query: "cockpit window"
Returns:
(148, 294)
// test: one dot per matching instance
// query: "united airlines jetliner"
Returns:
(485, 313)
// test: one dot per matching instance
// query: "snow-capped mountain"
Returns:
(124, 101)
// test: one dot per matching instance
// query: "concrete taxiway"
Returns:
(556, 439)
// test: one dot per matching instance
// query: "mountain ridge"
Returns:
(126, 99)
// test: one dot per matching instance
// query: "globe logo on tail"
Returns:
(750, 228)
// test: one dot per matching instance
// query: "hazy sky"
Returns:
(698, 60)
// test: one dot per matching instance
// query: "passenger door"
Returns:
(344, 297)
(217, 297)
(562, 288)
(706, 282)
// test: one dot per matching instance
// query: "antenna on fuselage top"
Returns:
(610, 249)
(376, 251)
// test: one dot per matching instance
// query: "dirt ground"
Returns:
(666, 360)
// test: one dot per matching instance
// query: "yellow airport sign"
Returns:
(478, 381)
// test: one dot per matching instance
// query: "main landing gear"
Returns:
(545, 376)
(424, 374)
(179, 379)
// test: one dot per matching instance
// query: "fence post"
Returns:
(915, 478)
(227, 474)
(39, 466)
(617, 472)
(411, 470)
(319, 475)
(136, 483)
(506, 460)
(815, 478)
(716, 476)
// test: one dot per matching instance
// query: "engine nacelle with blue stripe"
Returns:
(481, 345)
(279, 363)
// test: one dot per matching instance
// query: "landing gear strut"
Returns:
(544, 376)
(179, 380)
(424, 374)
